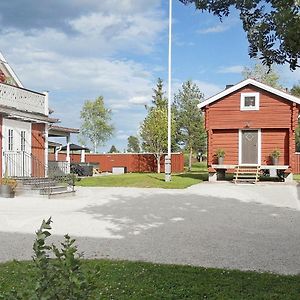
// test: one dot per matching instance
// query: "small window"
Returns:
(250, 101)
(23, 140)
(10, 139)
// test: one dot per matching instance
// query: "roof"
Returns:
(10, 70)
(244, 83)
(11, 112)
(55, 130)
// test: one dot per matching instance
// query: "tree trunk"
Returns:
(158, 163)
(95, 147)
(190, 159)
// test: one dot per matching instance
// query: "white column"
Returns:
(46, 149)
(68, 149)
(82, 156)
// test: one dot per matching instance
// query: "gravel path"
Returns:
(211, 225)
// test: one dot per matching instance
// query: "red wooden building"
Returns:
(249, 121)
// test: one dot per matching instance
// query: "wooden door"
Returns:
(249, 147)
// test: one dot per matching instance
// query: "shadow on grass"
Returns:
(195, 175)
(156, 178)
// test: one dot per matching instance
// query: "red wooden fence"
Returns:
(134, 162)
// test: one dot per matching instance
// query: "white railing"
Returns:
(23, 99)
(58, 168)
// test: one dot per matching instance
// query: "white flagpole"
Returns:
(168, 158)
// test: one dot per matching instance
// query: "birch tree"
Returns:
(96, 122)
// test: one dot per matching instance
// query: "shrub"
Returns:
(58, 272)
(220, 153)
(276, 153)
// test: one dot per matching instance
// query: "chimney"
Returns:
(228, 86)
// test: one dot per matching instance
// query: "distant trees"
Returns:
(189, 119)
(96, 122)
(133, 145)
(113, 149)
(262, 74)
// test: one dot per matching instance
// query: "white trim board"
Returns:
(258, 148)
(245, 83)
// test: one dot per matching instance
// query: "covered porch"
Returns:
(56, 165)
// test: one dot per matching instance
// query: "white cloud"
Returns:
(227, 24)
(237, 69)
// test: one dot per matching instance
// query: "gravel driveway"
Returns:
(212, 225)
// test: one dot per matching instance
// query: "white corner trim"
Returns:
(245, 83)
(247, 108)
(258, 148)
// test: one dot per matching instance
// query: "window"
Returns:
(10, 139)
(249, 101)
(23, 144)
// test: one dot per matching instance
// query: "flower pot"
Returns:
(275, 160)
(220, 160)
(6, 191)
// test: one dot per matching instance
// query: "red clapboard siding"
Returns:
(275, 139)
(38, 149)
(274, 112)
(138, 162)
(227, 140)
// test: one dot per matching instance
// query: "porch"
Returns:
(218, 171)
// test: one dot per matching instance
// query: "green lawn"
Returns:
(137, 280)
(149, 180)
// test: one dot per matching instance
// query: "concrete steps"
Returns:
(43, 186)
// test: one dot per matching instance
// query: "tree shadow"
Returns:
(203, 176)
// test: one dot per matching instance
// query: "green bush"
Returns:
(60, 277)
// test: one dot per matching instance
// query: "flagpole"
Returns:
(168, 157)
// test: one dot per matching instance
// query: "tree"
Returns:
(189, 119)
(262, 74)
(159, 99)
(295, 90)
(96, 122)
(113, 149)
(154, 133)
(272, 26)
(133, 145)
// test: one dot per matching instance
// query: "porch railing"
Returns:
(23, 99)
(58, 168)
(22, 164)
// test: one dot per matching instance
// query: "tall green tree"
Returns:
(133, 145)
(96, 122)
(262, 73)
(272, 26)
(154, 133)
(158, 98)
(189, 119)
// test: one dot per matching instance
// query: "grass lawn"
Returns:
(296, 177)
(149, 180)
(137, 280)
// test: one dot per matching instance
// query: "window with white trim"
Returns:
(23, 140)
(10, 139)
(249, 101)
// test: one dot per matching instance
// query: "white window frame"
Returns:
(257, 100)
(258, 150)
(10, 134)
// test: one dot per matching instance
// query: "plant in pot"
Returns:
(7, 187)
(275, 156)
(220, 155)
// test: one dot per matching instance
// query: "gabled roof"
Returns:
(10, 71)
(244, 83)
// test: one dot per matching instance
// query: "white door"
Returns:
(16, 148)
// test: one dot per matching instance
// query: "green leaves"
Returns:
(96, 122)
(272, 26)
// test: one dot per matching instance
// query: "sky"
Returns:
(81, 49)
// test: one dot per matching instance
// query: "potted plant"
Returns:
(275, 156)
(7, 187)
(220, 155)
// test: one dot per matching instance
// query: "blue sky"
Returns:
(78, 50)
